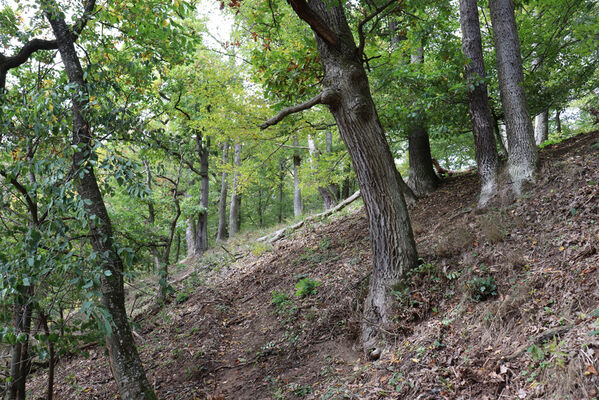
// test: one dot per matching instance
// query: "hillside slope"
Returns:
(241, 332)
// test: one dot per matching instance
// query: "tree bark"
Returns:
(298, 205)
(190, 237)
(221, 233)
(234, 220)
(124, 358)
(281, 186)
(558, 122)
(523, 156)
(422, 178)
(541, 127)
(201, 239)
(347, 94)
(151, 214)
(478, 102)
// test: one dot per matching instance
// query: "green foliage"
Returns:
(306, 287)
(482, 288)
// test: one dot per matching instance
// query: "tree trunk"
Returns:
(347, 94)
(422, 178)
(178, 251)
(523, 156)
(234, 220)
(190, 237)
(558, 122)
(124, 358)
(221, 233)
(281, 182)
(478, 102)
(298, 205)
(201, 242)
(151, 215)
(498, 136)
(541, 127)
(167, 249)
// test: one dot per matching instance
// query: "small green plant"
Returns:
(279, 299)
(299, 390)
(482, 287)
(182, 297)
(306, 287)
(259, 248)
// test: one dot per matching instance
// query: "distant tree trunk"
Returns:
(478, 102)
(422, 178)
(298, 205)
(201, 242)
(542, 127)
(178, 251)
(281, 183)
(523, 156)
(190, 237)
(259, 209)
(558, 121)
(498, 136)
(347, 94)
(234, 220)
(151, 213)
(329, 198)
(167, 249)
(221, 233)
(124, 358)
(51, 360)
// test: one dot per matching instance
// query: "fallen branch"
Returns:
(539, 339)
(273, 237)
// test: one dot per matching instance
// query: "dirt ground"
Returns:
(504, 305)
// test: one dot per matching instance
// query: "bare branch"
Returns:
(376, 12)
(303, 10)
(291, 110)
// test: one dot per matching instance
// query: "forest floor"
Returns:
(239, 331)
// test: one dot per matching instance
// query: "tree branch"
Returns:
(291, 110)
(8, 63)
(303, 10)
(30, 203)
(362, 41)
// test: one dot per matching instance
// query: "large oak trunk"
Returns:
(485, 147)
(124, 358)
(522, 151)
(347, 94)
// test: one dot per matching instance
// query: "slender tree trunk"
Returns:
(558, 122)
(542, 127)
(523, 156)
(298, 205)
(201, 242)
(124, 358)
(478, 102)
(50, 387)
(221, 233)
(281, 186)
(234, 220)
(190, 237)
(178, 251)
(259, 209)
(151, 214)
(422, 177)
(499, 137)
(347, 94)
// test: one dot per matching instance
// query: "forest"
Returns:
(368, 199)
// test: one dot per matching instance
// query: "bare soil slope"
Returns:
(504, 305)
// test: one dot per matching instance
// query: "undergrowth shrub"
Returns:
(482, 288)
(306, 287)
